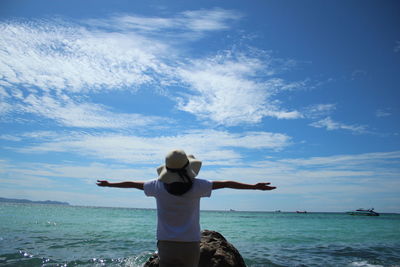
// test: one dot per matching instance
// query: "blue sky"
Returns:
(303, 94)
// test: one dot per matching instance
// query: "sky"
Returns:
(302, 94)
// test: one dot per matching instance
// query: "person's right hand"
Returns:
(102, 183)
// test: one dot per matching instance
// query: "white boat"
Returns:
(363, 212)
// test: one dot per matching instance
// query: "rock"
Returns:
(153, 261)
(215, 251)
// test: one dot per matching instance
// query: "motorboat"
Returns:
(363, 212)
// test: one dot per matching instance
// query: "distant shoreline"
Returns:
(49, 202)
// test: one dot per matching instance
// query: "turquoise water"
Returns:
(52, 235)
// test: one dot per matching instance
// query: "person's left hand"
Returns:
(264, 186)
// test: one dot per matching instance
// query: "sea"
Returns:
(61, 235)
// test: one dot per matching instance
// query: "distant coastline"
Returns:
(14, 200)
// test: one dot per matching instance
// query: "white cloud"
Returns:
(131, 22)
(356, 177)
(218, 147)
(69, 113)
(319, 110)
(186, 21)
(64, 56)
(381, 162)
(339, 174)
(282, 114)
(128, 52)
(87, 173)
(382, 113)
(4, 106)
(209, 20)
(3, 93)
(331, 125)
(227, 90)
(9, 137)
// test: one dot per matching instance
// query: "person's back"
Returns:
(178, 194)
(178, 216)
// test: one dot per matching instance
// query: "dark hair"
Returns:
(178, 188)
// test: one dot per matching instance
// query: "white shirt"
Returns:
(178, 217)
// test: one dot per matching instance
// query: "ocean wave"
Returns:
(24, 258)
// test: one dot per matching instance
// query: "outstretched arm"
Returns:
(237, 185)
(137, 185)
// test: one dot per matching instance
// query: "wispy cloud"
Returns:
(338, 175)
(382, 113)
(49, 55)
(10, 137)
(187, 21)
(70, 113)
(318, 110)
(227, 89)
(357, 168)
(349, 162)
(355, 174)
(59, 58)
(331, 125)
(217, 146)
(5, 107)
(86, 173)
(210, 20)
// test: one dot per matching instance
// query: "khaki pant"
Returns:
(182, 254)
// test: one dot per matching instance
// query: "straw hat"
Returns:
(177, 162)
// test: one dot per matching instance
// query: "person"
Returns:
(177, 192)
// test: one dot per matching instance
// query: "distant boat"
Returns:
(301, 211)
(232, 210)
(363, 212)
(277, 211)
